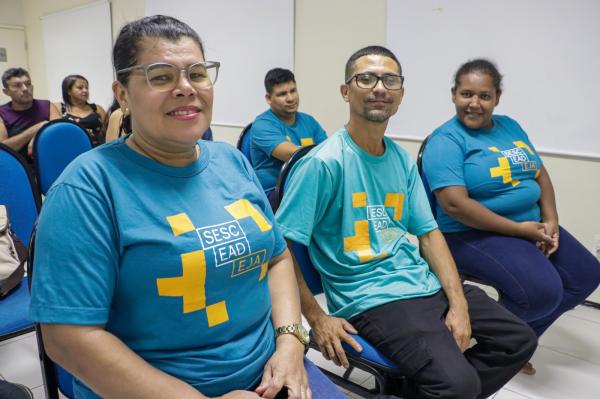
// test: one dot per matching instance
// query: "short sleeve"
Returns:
(76, 262)
(266, 135)
(443, 162)
(307, 195)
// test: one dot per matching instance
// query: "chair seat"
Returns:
(14, 310)
(369, 352)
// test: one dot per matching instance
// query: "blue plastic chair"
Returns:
(388, 379)
(208, 135)
(56, 379)
(243, 143)
(56, 144)
(19, 193)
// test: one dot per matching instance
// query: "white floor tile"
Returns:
(38, 393)
(559, 376)
(575, 336)
(19, 361)
(508, 394)
(586, 313)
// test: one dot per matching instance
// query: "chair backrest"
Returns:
(243, 143)
(56, 144)
(55, 377)
(208, 135)
(430, 195)
(22, 199)
(18, 192)
(285, 171)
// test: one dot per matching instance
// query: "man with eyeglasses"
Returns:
(23, 116)
(352, 201)
(278, 132)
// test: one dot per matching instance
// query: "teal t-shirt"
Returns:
(172, 261)
(268, 131)
(497, 166)
(353, 211)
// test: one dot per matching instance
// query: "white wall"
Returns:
(122, 10)
(11, 12)
(326, 33)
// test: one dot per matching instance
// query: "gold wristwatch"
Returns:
(297, 330)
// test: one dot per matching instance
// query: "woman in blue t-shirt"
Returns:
(496, 206)
(160, 272)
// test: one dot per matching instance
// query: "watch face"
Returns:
(303, 334)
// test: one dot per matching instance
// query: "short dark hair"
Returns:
(13, 73)
(480, 65)
(277, 76)
(67, 84)
(369, 50)
(126, 46)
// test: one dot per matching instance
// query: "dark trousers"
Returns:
(412, 333)
(535, 288)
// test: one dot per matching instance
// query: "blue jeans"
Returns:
(535, 288)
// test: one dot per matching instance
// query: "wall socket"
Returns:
(597, 246)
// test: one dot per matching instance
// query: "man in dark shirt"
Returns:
(23, 116)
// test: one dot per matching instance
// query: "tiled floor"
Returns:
(567, 362)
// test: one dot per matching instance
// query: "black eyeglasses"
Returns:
(370, 80)
(165, 77)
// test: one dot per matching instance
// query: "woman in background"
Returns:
(75, 107)
(496, 206)
(117, 123)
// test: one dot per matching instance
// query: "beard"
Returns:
(23, 100)
(377, 115)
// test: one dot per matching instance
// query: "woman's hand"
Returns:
(534, 231)
(239, 395)
(285, 369)
(551, 230)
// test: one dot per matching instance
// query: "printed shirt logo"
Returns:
(228, 244)
(377, 216)
(518, 156)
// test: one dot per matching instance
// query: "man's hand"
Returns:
(285, 369)
(457, 321)
(37, 127)
(329, 332)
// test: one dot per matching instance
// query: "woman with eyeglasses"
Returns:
(160, 271)
(496, 206)
(75, 107)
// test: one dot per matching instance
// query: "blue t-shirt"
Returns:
(268, 131)
(171, 260)
(353, 211)
(498, 167)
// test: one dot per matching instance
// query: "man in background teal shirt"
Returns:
(278, 132)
